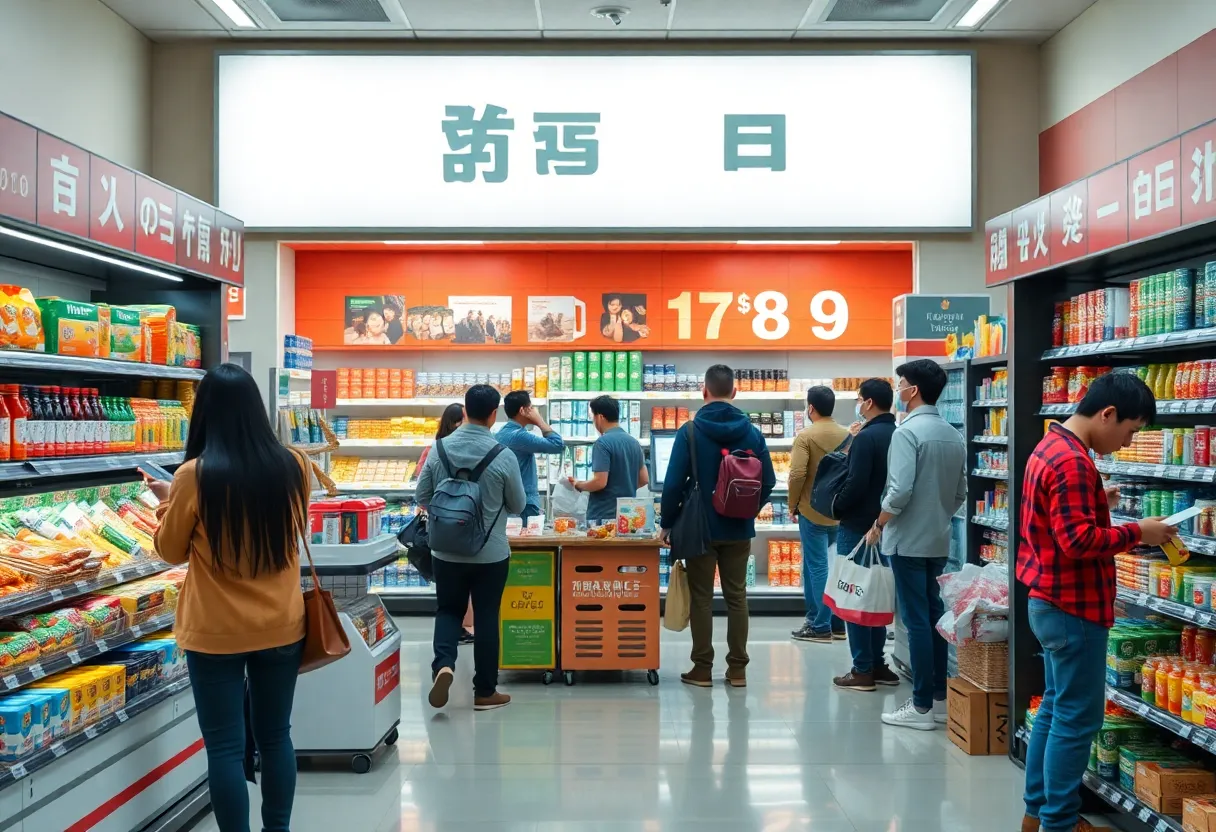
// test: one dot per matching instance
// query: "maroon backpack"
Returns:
(737, 493)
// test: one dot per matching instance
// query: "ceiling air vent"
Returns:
(885, 11)
(328, 11)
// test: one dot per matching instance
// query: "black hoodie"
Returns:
(718, 425)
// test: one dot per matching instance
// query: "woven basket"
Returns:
(985, 665)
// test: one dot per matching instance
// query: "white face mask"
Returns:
(857, 410)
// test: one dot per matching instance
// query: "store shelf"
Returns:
(777, 528)
(1197, 734)
(20, 602)
(991, 403)
(376, 488)
(1173, 609)
(1172, 340)
(420, 401)
(298, 375)
(1185, 473)
(1058, 409)
(352, 558)
(10, 774)
(1165, 407)
(1199, 545)
(375, 444)
(62, 661)
(20, 360)
(991, 474)
(990, 440)
(990, 360)
(687, 395)
(84, 465)
(998, 523)
(1127, 802)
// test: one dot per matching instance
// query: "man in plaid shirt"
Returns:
(1066, 553)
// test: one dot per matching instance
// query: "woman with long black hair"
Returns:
(235, 512)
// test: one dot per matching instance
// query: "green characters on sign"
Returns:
(476, 141)
(578, 151)
(750, 131)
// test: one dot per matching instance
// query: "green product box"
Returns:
(593, 372)
(607, 373)
(70, 327)
(1115, 735)
(1129, 755)
(567, 374)
(580, 372)
(622, 371)
(126, 334)
(555, 373)
(635, 371)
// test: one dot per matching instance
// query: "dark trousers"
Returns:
(920, 606)
(218, 681)
(455, 583)
(730, 558)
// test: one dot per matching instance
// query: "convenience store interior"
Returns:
(1021, 191)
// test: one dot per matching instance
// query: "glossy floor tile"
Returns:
(613, 754)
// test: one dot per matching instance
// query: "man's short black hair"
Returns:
(822, 399)
(516, 401)
(877, 390)
(480, 402)
(1125, 392)
(720, 381)
(927, 375)
(607, 407)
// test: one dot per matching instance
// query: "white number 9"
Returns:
(837, 321)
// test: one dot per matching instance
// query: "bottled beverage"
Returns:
(6, 430)
(19, 419)
(1175, 689)
(78, 442)
(95, 414)
(1148, 680)
(130, 425)
(1190, 676)
(35, 428)
(56, 428)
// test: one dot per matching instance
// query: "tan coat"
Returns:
(811, 445)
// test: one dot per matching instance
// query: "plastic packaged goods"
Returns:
(20, 319)
(70, 327)
(126, 334)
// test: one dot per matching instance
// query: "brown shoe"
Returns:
(855, 681)
(440, 687)
(884, 675)
(1030, 824)
(698, 677)
(736, 678)
(498, 699)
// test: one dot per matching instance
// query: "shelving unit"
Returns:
(985, 416)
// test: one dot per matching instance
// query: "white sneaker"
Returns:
(908, 717)
(940, 715)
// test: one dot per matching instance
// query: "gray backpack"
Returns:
(455, 525)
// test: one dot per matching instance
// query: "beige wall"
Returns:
(76, 69)
(1113, 41)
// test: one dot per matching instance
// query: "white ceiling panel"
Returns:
(167, 15)
(1036, 15)
(474, 34)
(742, 34)
(471, 15)
(735, 16)
(575, 15)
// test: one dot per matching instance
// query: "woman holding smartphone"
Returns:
(235, 511)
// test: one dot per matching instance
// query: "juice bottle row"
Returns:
(38, 422)
(1169, 446)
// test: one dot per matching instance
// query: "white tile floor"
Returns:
(788, 753)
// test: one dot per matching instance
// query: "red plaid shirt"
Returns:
(1067, 546)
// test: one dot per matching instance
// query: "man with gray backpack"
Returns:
(468, 487)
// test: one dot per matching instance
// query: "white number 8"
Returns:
(770, 306)
(837, 319)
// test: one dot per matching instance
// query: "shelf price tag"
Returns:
(101, 645)
(58, 750)
(90, 732)
(122, 715)
(82, 586)
(10, 682)
(73, 657)
(36, 670)
(18, 771)
(56, 594)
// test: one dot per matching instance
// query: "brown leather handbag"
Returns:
(325, 640)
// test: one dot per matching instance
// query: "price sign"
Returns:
(73, 657)
(767, 314)
(58, 750)
(1145, 814)
(18, 771)
(36, 670)
(90, 732)
(101, 645)
(10, 682)
(122, 715)
(82, 586)
(56, 594)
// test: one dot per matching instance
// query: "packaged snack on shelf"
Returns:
(17, 649)
(20, 319)
(71, 327)
(155, 320)
(16, 728)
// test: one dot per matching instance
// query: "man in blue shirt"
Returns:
(616, 463)
(526, 445)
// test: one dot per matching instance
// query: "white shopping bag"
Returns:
(569, 503)
(860, 589)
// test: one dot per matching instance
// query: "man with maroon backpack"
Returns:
(720, 440)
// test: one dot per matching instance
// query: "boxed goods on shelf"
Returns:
(1163, 786)
(297, 352)
(353, 520)
(994, 502)
(784, 563)
(994, 387)
(353, 469)
(1199, 814)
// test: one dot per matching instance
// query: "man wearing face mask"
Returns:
(857, 507)
(926, 485)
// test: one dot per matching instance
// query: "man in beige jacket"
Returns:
(812, 444)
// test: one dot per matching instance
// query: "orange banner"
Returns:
(547, 300)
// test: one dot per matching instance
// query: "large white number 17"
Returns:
(682, 304)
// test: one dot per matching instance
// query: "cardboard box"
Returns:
(977, 721)
(1199, 814)
(1157, 778)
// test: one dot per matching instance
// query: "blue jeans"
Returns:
(865, 643)
(218, 681)
(920, 606)
(1074, 702)
(815, 542)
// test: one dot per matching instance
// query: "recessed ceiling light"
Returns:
(235, 13)
(975, 15)
(84, 252)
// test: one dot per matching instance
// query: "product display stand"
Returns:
(987, 440)
(366, 684)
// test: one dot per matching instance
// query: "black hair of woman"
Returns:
(452, 418)
(252, 492)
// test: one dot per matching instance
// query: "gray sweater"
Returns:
(926, 484)
(500, 485)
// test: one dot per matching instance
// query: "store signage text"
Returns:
(585, 141)
(1170, 186)
(54, 184)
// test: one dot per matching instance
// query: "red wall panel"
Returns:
(1197, 82)
(1146, 109)
(1079, 145)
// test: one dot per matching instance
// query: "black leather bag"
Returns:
(417, 546)
(690, 533)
